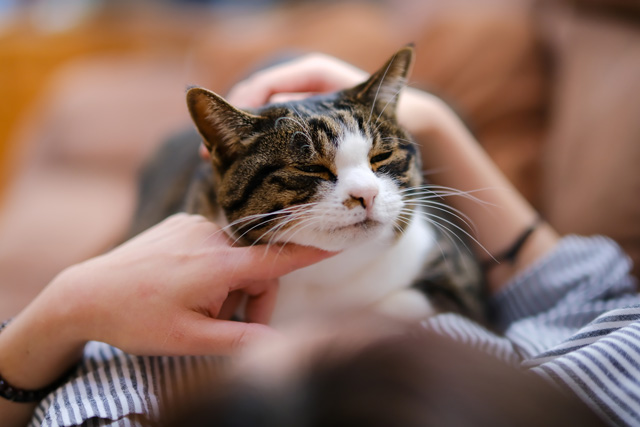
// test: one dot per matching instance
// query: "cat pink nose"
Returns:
(365, 196)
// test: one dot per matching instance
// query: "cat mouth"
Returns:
(364, 225)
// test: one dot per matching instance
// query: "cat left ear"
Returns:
(382, 89)
(222, 126)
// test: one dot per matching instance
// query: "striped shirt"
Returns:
(573, 318)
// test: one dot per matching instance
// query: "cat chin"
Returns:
(343, 239)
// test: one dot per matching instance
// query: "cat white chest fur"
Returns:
(376, 274)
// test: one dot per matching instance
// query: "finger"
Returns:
(258, 263)
(259, 90)
(206, 336)
(287, 97)
(304, 75)
(260, 306)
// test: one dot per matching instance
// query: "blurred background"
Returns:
(89, 88)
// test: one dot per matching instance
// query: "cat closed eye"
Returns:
(314, 169)
(381, 157)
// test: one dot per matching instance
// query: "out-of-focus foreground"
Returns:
(90, 88)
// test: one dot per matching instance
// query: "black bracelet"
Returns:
(511, 253)
(15, 394)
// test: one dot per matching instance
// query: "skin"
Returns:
(169, 290)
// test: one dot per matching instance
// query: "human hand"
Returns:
(167, 291)
(309, 74)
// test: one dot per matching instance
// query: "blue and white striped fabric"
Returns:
(572, 318)
(114, 388)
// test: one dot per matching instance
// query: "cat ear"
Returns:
(222, 126)
(382, 89)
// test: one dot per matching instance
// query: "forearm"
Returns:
(448, 147)
(36, 349)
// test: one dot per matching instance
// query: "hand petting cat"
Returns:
(167, 291)
(313, 73)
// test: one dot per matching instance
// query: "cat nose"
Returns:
(363, 196)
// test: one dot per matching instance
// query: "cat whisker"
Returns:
(270, 242)
(441, 192)
(304, 130)
(395, 95)
(295, 110)
(447, 233)
(375, 98)
(464, 222)
(245, 221)
(406, 217)
(254, 217)
(404, 220)
(212, 235)
(275, 230)
(431, 219)
(298, 228)
(443, 207)
(305, 135)
(260, 224)
(300, 217)
(437, 189)
(316, 216)
(380, 123)
(277, 227)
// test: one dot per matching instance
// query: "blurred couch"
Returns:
(549, 89)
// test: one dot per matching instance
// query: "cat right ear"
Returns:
(222, 126)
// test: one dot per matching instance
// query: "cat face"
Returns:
(330, 171)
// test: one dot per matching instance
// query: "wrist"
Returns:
(40, 344)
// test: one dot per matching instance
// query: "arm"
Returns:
(164, 292)
(446, 143)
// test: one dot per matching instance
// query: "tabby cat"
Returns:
(333, 171)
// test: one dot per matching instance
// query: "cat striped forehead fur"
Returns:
(332, 171)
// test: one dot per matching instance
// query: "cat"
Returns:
(334, 171)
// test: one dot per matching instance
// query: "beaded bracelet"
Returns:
(511, 253)
(15, 394)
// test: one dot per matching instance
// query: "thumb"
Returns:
(270, 262)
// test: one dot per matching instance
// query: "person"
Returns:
(564, 309)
